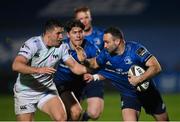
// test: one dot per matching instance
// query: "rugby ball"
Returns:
(137, 71)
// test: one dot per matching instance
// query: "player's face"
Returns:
(85, 18)
(56, 36)
(76, 36)
(110, 43)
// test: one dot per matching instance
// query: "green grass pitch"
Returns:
(112, 111)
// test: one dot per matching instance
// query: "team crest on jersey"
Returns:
(127, 60)
(97, 41)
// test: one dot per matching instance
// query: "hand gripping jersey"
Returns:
(63, 73)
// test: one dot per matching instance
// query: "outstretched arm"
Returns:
(75, 66)
(90, 63)
(20, 65)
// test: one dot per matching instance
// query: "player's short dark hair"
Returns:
(51, 24)
(81, 9)
(74, 23)
(115, 32)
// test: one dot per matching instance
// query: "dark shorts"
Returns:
(82, 89)
(150, 100)
(93, 89)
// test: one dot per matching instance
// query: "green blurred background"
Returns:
(111, 108)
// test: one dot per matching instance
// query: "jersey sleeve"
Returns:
(65, 52)
(142, 54)
(91, 51)
(102, 58)
(28, 49)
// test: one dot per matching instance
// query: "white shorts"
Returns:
(28, 103)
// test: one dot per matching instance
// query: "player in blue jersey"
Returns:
(92, 33)
(34, 87)
(71, 86)
(95, 36)
(115, 60)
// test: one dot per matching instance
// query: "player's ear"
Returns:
(117, 41)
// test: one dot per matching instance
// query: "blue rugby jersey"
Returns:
(96, 38)
(115, 67)
(63, 73)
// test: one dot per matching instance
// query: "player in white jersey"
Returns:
(34, 86)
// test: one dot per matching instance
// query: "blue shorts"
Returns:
(82, 89)
(93, 89)
(150, 100)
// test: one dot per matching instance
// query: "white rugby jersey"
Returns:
(39, 55)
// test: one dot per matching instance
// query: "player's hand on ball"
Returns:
(134, 80)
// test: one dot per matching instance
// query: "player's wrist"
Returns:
(96, 77)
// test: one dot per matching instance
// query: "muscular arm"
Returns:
(75, 66)
(153, 68)
(20, 65)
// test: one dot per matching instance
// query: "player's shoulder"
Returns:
(34, 39)
(87, 43)
(133, 44)
(98, 30)
(34, 42)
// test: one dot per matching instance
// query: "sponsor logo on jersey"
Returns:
(37, 54)
(141, 51)
(108, 63)
(55, 56)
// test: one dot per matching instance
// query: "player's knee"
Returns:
(75, 115)
(60, 117)
(94, 114)
(162, 117)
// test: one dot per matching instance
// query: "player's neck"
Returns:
(88, 31)
(72, 45)
(46, 41)
(121, 48)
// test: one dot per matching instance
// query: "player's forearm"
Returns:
(154, 68)
(23, 68)
(151, 72)
(79, 69)
(91, 63)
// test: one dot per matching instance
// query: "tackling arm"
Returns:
(76, 67)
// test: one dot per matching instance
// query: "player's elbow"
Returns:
(158, 68)
(14, 67)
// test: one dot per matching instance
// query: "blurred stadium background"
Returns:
(154, 23)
